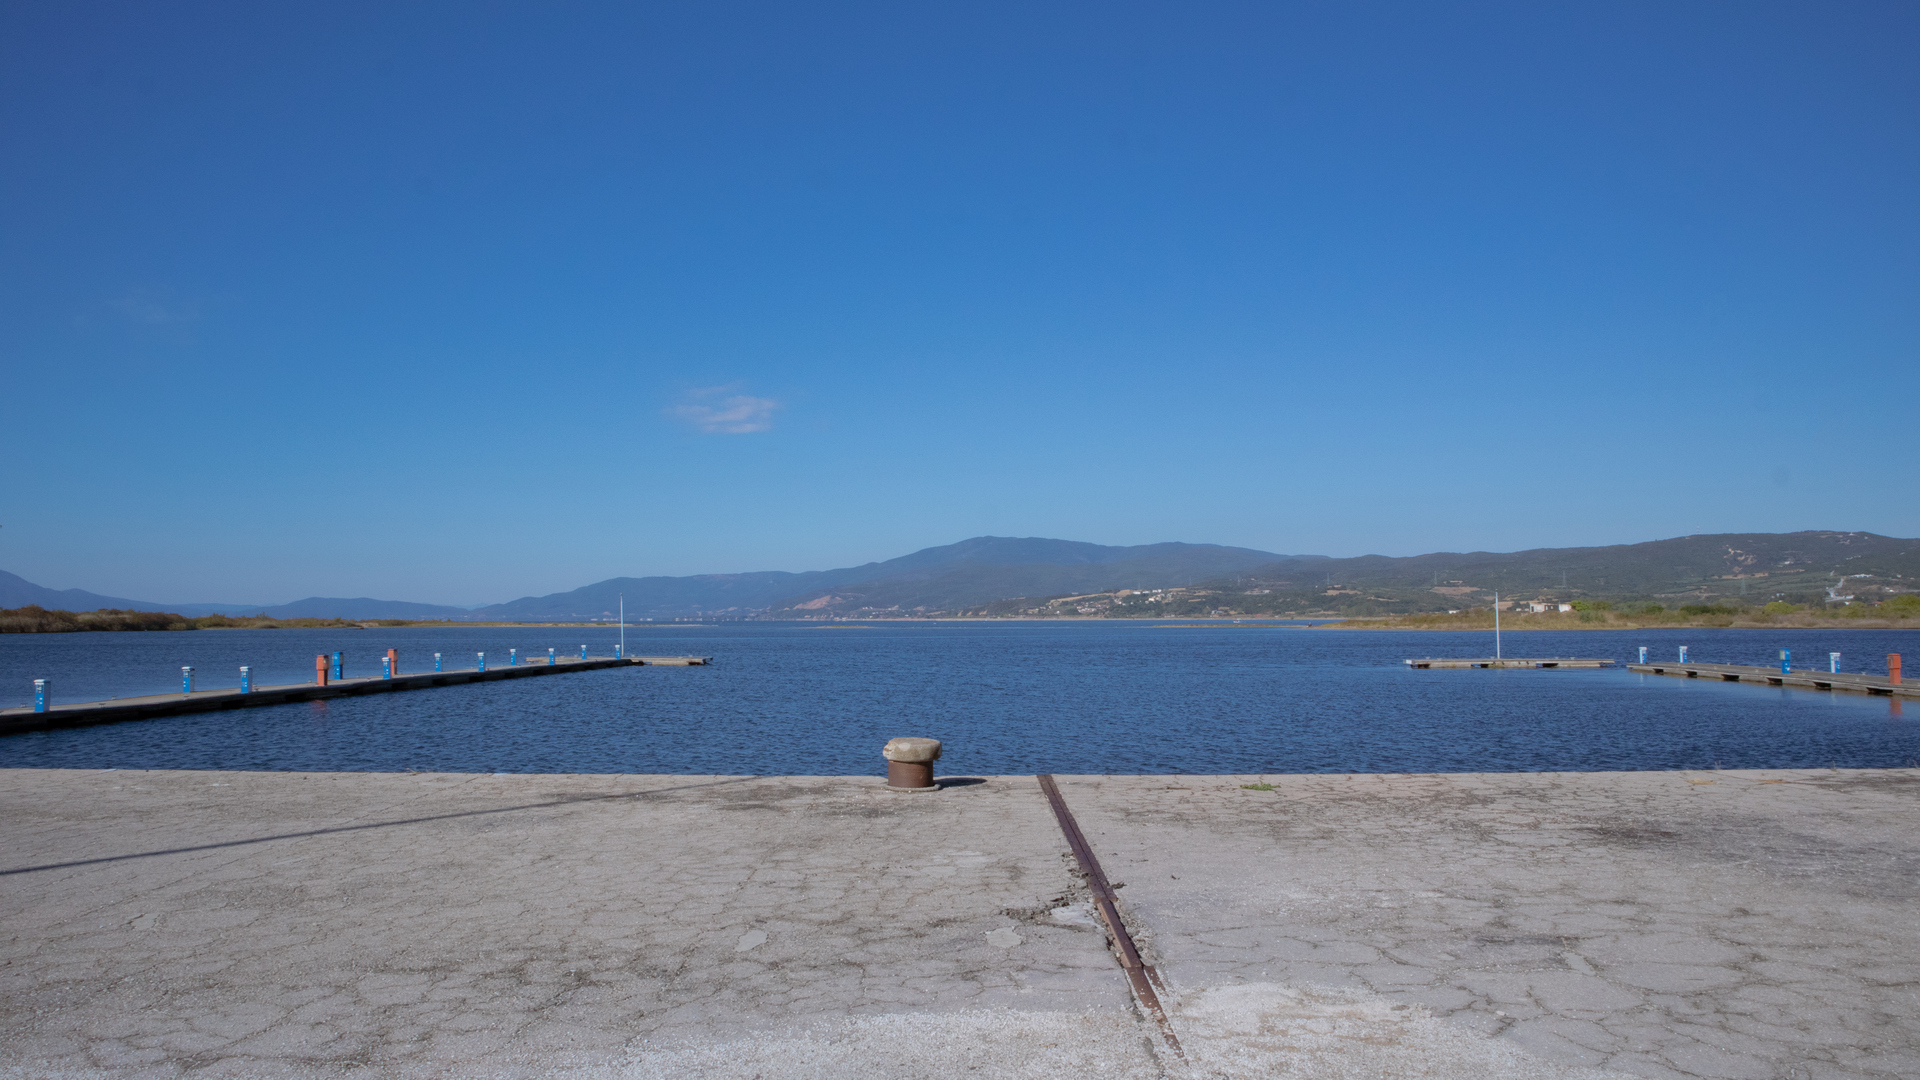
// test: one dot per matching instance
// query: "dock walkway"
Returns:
(1772, 676)
(15, 721)
(1510, 662)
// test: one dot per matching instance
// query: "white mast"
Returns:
(623, 626)
(1496, 624)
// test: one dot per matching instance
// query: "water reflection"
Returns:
(1101, 697)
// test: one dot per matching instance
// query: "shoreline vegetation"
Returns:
(1902, 612)
(1894, 615)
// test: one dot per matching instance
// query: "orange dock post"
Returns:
(393, 661)
(320, 669)
(1893, 668)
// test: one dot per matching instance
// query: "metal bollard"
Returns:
(320, 670)
(1833, 663)
(483, 661)
(246, 679)
(910, 763)
(386, 667)
(1786, 661)
(436, 661)
(339, 667)
(1683, 654)
(1643, 654)
(39, 695)
(1893, 668)
(551, 658)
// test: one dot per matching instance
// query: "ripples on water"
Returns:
(1096, 697)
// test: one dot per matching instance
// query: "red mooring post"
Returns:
(320, 669)
(1893, 668)
(393, 661)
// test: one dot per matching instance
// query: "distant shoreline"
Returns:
(1556, 622)
(30, 621)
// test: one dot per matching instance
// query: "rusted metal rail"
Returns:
(1146, 983)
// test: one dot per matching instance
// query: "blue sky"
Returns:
(458, 303)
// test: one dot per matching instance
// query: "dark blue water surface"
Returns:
(1088, 697)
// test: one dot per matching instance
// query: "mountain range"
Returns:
(976, 571)
(971, 572)
(16, 591)
(1000, 574)
(1717, 562)
(1800, 567)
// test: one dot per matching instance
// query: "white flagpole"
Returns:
(623, 625)
(1496, 624)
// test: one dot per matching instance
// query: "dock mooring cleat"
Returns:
(910, 763)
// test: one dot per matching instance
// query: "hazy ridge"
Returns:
(1017, 575)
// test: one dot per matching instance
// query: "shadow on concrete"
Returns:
(376, 825)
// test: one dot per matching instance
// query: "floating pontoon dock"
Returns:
(113, 711)
(1511, 662)
(1772, 676)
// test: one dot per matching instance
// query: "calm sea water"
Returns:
(1115, 697)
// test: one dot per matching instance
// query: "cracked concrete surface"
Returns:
(174, 924)
(526, 921)
(1724, 924)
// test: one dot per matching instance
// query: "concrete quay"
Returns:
(218, 924)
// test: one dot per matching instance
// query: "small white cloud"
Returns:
(738, 414)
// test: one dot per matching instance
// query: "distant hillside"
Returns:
(16, 592)
(1730, 567)
(999, 575)
(970, 585)
(1716, 563)
(973, 571)
(362, 607)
